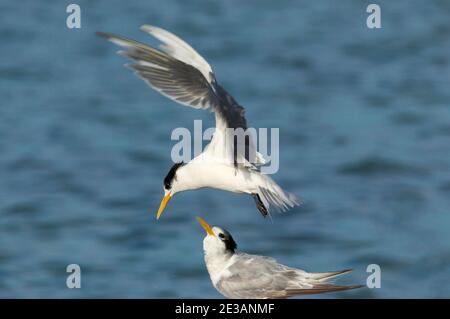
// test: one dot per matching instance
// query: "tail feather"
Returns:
(276, 199)
(313, 283)
(324, 276)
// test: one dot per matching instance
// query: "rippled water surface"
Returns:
(364, 118)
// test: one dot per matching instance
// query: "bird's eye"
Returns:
(221, 235)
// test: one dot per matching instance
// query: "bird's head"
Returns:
(217, 240)
(172, 185)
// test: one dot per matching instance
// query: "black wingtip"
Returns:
(103, 34)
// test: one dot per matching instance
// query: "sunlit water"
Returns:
(364, 124)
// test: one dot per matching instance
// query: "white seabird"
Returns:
(244, 276)
(229, 163)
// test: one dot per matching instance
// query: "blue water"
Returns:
(364, 118)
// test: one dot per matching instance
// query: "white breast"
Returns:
(203, 173)
(217, 266)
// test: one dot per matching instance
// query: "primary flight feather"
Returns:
(230, 161)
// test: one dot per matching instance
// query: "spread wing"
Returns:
(254, 276)
(181, 74)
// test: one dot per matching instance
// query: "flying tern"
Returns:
(230, 162)
(244, 276)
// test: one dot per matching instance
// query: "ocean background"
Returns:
(364, 119)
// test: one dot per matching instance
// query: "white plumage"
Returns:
(244, 276)
(230, 162)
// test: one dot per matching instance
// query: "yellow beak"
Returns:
(206, 226)
(163, 205)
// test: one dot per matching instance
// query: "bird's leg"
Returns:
(260, 205)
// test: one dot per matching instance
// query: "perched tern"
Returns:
(229, 162)
(244, 276)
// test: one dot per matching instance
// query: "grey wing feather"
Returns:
(187, 85)
(231, 110)
(175, 79)
(256, 277)
(179, 81)
(262, 277)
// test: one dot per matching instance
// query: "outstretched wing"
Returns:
(181, 74)
(173, 78)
